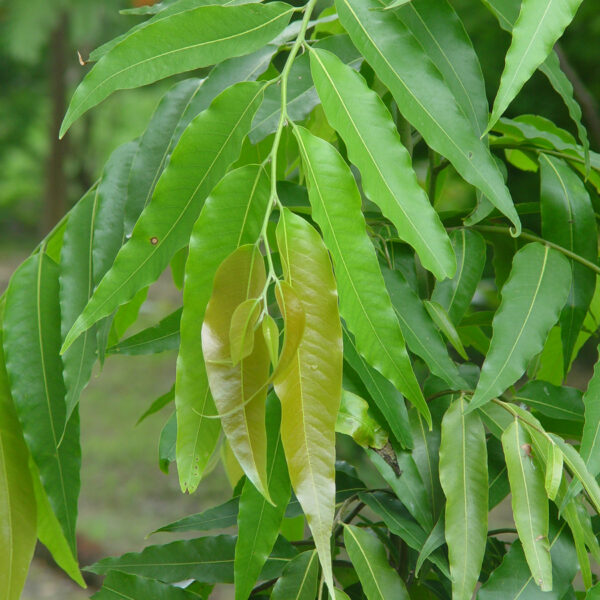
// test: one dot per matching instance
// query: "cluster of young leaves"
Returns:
(323, 284)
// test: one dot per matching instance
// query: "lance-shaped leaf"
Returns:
(239, 201)
(259, 521)
(590, 441)
(538, 27)
(299, 579)
(166, 444)
(118, 585)
(464, 479)
(435, 539)
(354, 420)
(423, 96)
(379, 581)
(243, 324)
(554, 469)
(532, 297)
(364, 301)
(294, 320)
(374, 146)
(568, 220)
(440, 317)
(563, 403)
(31, 346)
(271, 334)
(239, 389)
(205, 151)
(529, 502)
(18, 512)
(218, 517)
(311, 388)
(196, 38)
(455, 294)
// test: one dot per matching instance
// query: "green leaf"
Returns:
(354, 420)
(125, 316)
(18, 512)
(367, 553)
(244, 321)
(259, 521)
(240, 201)
(423, 96)
(440, 317)
(590, 442)
(118, 585)
(195, 38)
(532, 298)
(529, 502)
(568, 220)
(564, 403)
(455, 294)
(294, 320)
(554, 468)
(158, 404)
(435, 539)
(364, 301)
(299, 579)
(464, 479)
(271, 334)
(239, 389)
(311, 389)
(167, 222)
(539, 25)
(166, 444)
(31, 346)
(374, 146)
(152, 340)
(218, 517)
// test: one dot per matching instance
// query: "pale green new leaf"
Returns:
(464, 479)
(299, 579)
(554, 468)
(354, 420)
(241, 329)
(196, 38)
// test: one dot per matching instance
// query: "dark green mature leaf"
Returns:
(119, 585)
(529, 502)
(423, 97)
(196, 38)
(440, 317)
(435, 539)
(239, 201)
(299, 579)
(218, 517)
(532, 298)
(31, 346)
(364, 301)
(152, 340)
(367, 553)
(564, 403)
(455, 294)
(374, 146)
(464, 478)
(568, 220)
(166, 444)
(215, 136)
(590, 442)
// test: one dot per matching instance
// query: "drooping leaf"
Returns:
(553, 401)
(271, 334)
(158, 404)
(435, 539)
(219, 517)
(165, 226)
(367, 553)
(299, 579)
(354, 420)
(423, 96)
(311, 388)
(119, 585)
(554, 468)
(440, 317)
(464, 478)
(532, 298)
(374, 146)
(182, 42)
(166, 444)
(364, 301)
(529, 502)
(243, 324)
(590, 441)
(240, 201)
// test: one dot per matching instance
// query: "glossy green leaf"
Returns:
(271, 334)
(18, 513)
(435, 539)
(125, 316)
(440, 317)
(119, 585)
(219, 517)
(539, 25)
(464, 479)
(238, 389)
(311, 389)
(590, 442)
(374, 146)
(529, 502)
(354, 420)
(568, 220)
(196, 38)
(364, 301)
(158, 404)
(166, 444)
(553, 401)
(554, 468)
(299, 579)
(455, 294)
(165, 226)
(367, 553)
(239, 201)
(532, 297)
(423, 96)
(259, 521)
(294, 319)
(243, 324)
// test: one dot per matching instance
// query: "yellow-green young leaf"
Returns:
(464, 479)
(239, 390)
(242, 327)
(271, 335)
(354, 420)
(364, 301)
(532, 298)
(196, 38)
(374, 146)
(17, 502)
(294, 320)
(232, 215)
(440, 317)
(529, 502)
(311, 389)
(204, 153)
(538, 27)
(379, 581)
(554, 467)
